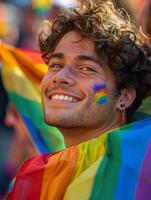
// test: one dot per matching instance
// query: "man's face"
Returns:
(78, 91)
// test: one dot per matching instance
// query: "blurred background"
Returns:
(19, 22)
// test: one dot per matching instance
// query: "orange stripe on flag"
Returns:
(58, 174)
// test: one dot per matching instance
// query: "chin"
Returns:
(54, 121)
(60, 122)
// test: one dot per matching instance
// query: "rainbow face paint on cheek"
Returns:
(100, 94)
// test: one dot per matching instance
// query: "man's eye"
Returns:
(87, 69)
(55, 66)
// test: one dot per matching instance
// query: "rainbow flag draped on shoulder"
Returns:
(22, 71)
(114, 166)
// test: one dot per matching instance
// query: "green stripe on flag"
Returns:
(107, 175)
(33, 111)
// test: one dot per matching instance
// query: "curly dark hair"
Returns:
(120, 43)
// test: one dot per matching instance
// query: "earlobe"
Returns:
(126, 98)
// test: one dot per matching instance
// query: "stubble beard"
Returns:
(65, 122)
(73, 120)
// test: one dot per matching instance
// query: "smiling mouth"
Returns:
(61, 97)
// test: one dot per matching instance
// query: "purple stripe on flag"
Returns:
(144, 182)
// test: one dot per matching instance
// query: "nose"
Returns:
(64, 78)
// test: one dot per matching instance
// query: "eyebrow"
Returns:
(57, 55)
(89, 58)
(80, 57)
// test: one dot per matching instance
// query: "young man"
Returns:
(98, 75)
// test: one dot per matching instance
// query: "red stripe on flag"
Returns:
(29, 179)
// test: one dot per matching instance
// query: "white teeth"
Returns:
(64, 98)
(70, 98)
(61, 97)
(54, 97)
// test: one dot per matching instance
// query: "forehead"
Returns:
(71, 43)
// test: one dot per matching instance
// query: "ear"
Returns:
(126, 98)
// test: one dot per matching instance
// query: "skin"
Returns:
(74, 68)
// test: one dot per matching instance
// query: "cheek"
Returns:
(42, 85)
(100, 94)
(45, 82)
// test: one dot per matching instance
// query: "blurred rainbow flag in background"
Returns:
(42, 5)
(22, 71)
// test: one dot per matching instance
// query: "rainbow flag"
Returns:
(42, 6)
(22, 71)
(114, 166)
(100, 92)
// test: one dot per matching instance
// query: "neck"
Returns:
(74, 136)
